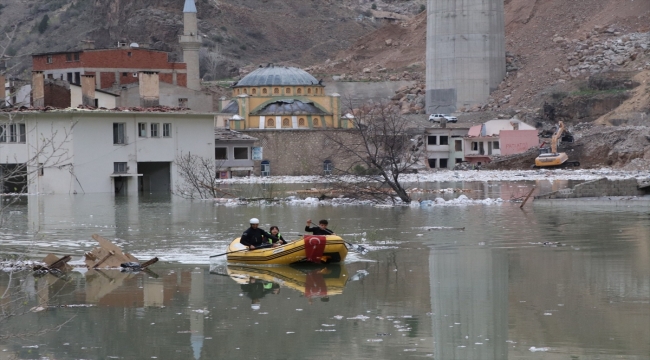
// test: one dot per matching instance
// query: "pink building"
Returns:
(499, 137)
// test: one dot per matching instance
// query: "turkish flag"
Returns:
(314, 247)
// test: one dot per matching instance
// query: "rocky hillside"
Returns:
(235, 32)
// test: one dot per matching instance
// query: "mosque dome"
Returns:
(277, 76)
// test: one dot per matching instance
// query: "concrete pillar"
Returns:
(190, 41)
(465, 52)
(38, 89)
(149, 89)
(88, 90)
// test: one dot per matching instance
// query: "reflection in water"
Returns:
(314, 282)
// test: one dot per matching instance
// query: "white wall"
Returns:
(105, 100)
(86, 156)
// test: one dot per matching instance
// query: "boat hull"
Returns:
(294, 252)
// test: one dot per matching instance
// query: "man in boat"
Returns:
(254, 237)
(321, 229)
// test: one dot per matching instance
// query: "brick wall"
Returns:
(598, 188)
(109, 58)
(56, 94)
(296, 152)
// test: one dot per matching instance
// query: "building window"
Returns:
(182, 102)
(119, 133)
(270, 123)
(432, 163)
(301, 122)
(276, 91)
(125, 74)
(308, 90)
(285, 122)
(266, 168)
(241, 153)
(316, 122)
(432, 140)
(68, 57)
(135, 74)
(221, 153)
(495, 146)
(41, 172)
(299, 91)
(254, 91)
(264, 91)
(444, 140)
(120, 168)
(245, 91)
(142, 129)
(154, 130)
(458, 145)
(327, 167)
(49, 59)
(13, 133)
(443, 163)
(69, 77)
(167, 130)
(76, 56)
(474, 146)
(129, 54)
(459, 160)
(287, 90)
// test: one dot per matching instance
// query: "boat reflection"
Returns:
(313, 282)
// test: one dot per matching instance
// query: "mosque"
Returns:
(283, 98)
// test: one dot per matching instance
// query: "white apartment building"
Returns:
(81, 151)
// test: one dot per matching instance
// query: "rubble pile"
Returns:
(598, 52)
(410, 99)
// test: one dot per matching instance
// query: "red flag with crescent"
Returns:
(314, 247)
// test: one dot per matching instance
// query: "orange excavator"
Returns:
(553, 158)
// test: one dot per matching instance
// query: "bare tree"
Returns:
(381, 146)
(199, 176)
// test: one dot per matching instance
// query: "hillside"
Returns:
(235, 32)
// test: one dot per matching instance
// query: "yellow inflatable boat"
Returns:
(317, 249)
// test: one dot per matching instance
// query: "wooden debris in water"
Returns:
(445, 228)
(109, 255)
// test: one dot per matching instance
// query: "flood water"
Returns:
(490, 291)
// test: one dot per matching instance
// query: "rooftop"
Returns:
(227, 134)
(277, 75)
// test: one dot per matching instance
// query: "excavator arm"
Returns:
(556, 137)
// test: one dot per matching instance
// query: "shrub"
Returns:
(374, 6)
(42, 26)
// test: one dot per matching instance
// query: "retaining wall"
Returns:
(597, 188)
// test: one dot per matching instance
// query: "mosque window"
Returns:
(309, 91)
(285, 122)
(316, 122)
(287, 90)
(299, 91)
(276, 91)
(301, 122)
(270, 122)
(237, 91)
(264, 91)
(254, 91)
(245, 91)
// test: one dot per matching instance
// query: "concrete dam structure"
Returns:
(465, 53)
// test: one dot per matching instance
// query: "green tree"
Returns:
(42, 26)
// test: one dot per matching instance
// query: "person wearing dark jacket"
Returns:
(321, 229)
(255, 237)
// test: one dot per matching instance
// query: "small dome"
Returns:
(280, 76)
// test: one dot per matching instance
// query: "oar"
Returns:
(236, 251)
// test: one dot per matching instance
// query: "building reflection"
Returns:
(469, 303)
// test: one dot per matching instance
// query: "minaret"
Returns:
(191, 42)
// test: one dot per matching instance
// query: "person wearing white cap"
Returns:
(254, 237)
